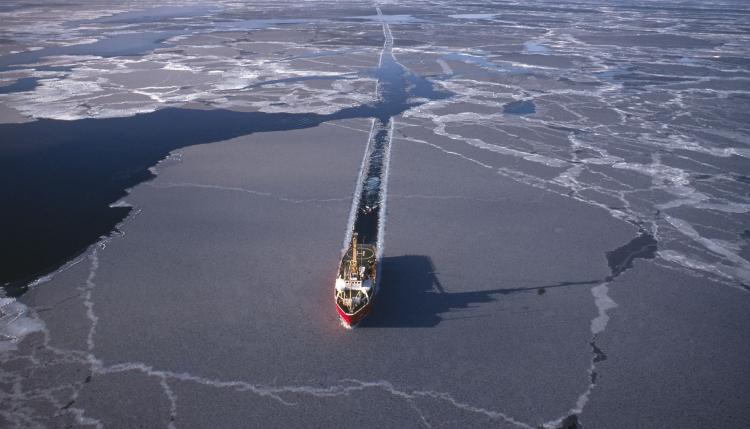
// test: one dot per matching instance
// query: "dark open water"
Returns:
(58, 178)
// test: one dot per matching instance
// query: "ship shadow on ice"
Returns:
(411, 295)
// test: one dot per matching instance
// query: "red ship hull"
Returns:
(353, 319)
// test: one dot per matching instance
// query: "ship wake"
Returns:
(367, 216)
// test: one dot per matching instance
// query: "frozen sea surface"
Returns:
(567, 241)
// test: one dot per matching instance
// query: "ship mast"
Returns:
(353, 266)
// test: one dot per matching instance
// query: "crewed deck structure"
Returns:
(356, 281)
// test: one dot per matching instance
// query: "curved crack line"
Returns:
(277, 393)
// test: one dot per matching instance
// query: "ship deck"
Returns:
(366, 254)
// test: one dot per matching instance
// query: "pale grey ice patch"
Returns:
(391, 19)
(535, 47)
(473, 16)
(16, 322)
(603, 304)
